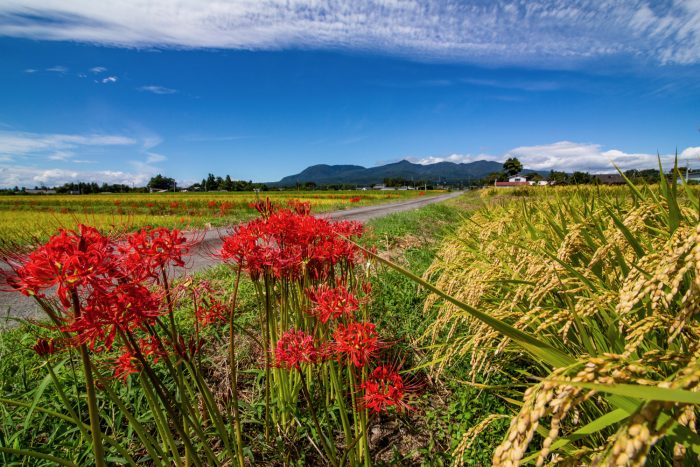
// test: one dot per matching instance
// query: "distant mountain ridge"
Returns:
(324, 174)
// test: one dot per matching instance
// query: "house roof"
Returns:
(511, 183)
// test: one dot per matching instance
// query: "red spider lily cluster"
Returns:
(105, 285)
(295, 348)
(114, 293)
(291, 244)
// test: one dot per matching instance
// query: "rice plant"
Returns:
(587, 298)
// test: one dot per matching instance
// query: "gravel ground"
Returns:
(14, 305)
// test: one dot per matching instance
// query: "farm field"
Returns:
(37, 216)
(501, 327)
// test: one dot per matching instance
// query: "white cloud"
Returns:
(570, 156)
(30, 70)
(548, 32)
(157, 89)
(30, 176)
(98, 69)
(151, 141)
(690, 153)
(153, 157)
(16, 143)
(456, 158)
(58, 69)
(28, 159)
(110, 79)
(61, 156)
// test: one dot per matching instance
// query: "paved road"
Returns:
(18, 306)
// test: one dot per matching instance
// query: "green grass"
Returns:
(447, 410)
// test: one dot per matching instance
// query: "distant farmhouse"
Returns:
(515, 181)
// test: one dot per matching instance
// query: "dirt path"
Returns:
(14, 305)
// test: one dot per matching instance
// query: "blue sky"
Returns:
(263, 89)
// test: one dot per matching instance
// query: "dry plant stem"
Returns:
(234, 376)
(326, 445)
(97, 447)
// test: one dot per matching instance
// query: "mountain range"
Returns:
(323, 174)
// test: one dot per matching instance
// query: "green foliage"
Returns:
(512, 166)
(159, 182)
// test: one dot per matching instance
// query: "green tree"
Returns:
(512, 166)
(558, 177)
(494, 177)
(160, 182)
(580, 178)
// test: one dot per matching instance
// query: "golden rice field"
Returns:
(589, 300)
(37, 216)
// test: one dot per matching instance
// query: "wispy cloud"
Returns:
(153, 158)
(110, 79)
(519, 85)
(30, 70)
(98, 69)
(22, 144)
(61, 155)
(541, 32)
(571, 156)
(213, 138)
(58, 69)
(157, 89)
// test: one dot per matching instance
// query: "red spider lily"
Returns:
(247, 248)
(212, 204)
(211, 313)
(125, 365)
(384, 388)
(332, 303)
(294, 348)
(123, 308)
(265, 208)
(300, 207)
(152, 348)
(356, 343)
(45, 347)
(147, 250)
(69, 260)
(355, 199)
